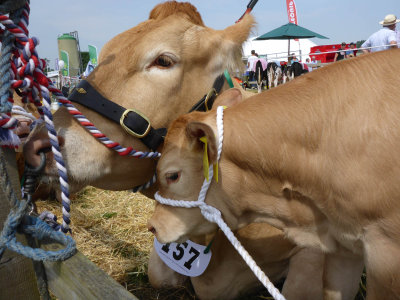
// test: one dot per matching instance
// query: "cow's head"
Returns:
(161, 68)
(181, 174)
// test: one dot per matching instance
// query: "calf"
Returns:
(279, 73)
(316, 158)
(261, 74)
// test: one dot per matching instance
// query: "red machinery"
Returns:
(327, 57)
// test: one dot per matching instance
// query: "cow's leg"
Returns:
(342, 274)
(304, 279)
(160, 275)
(271, 77)
(277, 77)
(382, 257)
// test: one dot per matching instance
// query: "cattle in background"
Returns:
(261, 74)
(317, 158)
(297, 69)
(174, 49)
(271, 68)
(281, 74)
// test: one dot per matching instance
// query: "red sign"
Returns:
(291, 11)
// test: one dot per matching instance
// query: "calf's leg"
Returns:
(160, 275)
(342, 273)
(304, 279)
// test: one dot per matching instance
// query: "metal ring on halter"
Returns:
(41, 166)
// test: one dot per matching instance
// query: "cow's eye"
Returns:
(172, 177)
(164, 62)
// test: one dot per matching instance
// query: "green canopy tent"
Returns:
(290, 31)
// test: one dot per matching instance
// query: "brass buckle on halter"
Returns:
(130, 131)
(211, 93)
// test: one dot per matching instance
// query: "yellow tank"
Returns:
(69, 44)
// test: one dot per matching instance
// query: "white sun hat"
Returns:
(389, 20)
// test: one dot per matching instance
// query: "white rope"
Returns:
(214, 215)
(18, 110)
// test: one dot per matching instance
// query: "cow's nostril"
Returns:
(33, 148)
(152, 230)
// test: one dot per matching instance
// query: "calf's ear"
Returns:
(228, 98)
(196, 130)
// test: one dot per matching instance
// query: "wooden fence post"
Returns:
(17, 277)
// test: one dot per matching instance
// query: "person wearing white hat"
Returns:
(398, 37)
(384, 38)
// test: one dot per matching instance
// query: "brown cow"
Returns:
(315, 157)
(162, 67)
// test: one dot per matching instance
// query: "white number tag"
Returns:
(187, 258)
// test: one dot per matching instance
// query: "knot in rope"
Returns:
(17, 221)
(210, 213)
(50, 219)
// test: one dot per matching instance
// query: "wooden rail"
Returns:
(77, 278)
(17, 277)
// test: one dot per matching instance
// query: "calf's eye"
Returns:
(172, 177)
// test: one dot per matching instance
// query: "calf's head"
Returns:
(161, 68)
(181, 174)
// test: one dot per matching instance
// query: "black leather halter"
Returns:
(134, 122)
(207, 101)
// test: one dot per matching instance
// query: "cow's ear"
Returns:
(228, 98)
(195, 131)
(239, 32)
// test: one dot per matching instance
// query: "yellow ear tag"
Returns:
(206, 165)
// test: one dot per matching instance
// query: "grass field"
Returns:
(110, 229)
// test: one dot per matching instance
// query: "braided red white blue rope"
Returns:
(26, 63)
(27, 76)
(214, 215)
(101, 137)
(146, 185)
(7, 136)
